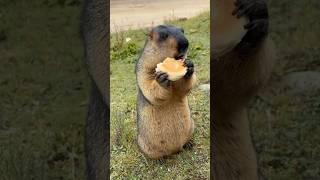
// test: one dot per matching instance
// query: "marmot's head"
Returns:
(168, 41)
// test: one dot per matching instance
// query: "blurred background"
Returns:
(134, 14)
(285, 116)
(44, 91)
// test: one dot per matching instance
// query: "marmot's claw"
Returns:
(252, 9)
(257, 14)
(189, 145)
(190, 68)
(162, 79)
(160, 161)
(260, 24)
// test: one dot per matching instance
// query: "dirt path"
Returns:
(133, 14)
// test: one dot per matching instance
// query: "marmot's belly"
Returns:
(167, 126)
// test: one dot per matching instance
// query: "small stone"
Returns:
(205, 87)
(302, 81)
(128, 39)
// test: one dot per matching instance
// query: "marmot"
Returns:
(163, 115)
(238, 72)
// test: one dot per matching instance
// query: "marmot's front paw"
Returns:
(190, 68)
(257, 13)
(257, 29)
(162, 79)
(253, 10)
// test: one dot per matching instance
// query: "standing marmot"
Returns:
(164, 121)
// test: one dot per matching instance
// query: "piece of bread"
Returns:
(228, 30)
(174, 68)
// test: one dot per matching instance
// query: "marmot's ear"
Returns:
(152, 35)
(182, 30)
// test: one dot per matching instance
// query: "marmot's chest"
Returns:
(174, 109)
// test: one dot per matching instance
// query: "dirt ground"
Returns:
(133, 14)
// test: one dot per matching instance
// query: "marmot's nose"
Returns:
(183, 45)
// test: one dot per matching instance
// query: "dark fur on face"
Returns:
(175, 35)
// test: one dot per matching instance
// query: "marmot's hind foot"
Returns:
(160, 161)
(189, 145)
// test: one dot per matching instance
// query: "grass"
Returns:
(285, 124)
(126, 160)
(43, 90)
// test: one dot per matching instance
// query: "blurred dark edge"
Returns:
(212, 126)
(95, 31)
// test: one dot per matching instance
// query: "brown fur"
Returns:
(164, 121)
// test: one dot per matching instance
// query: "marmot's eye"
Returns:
(163, 36)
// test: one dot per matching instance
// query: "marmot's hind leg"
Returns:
(151, 152)
(190, 142)
(189, 145)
